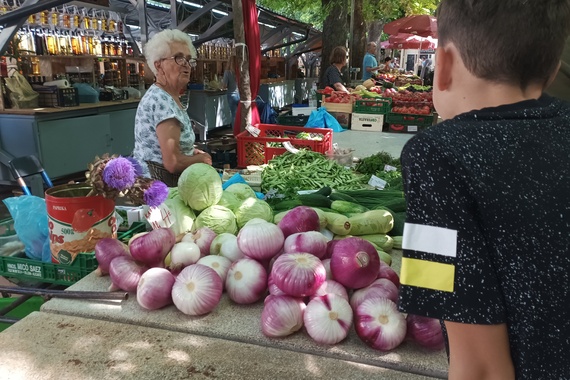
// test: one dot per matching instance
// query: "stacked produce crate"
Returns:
(339, 104)
(411, 111)
(369, 114)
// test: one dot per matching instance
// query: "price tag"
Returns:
(159, 217)
(412, 128)
(303, 192)
(389, 168)
(253, 130)
(376, 182)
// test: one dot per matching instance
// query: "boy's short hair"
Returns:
(338, 55)
(387, 59)
(506, 41)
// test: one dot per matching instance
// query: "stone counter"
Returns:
(48, 346)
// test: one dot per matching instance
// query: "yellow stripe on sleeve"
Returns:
(427, 274)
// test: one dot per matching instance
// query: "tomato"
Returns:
(84, 219)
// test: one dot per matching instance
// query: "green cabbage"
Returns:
(253, 208)
(200, 186)
(241, 190)
(230, 200)
(219, 218)
(183, 216)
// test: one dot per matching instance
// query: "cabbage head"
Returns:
(230, 200)
(200, 186)
(219, 218)
(183, 216)
(241, 190)
(253, 208)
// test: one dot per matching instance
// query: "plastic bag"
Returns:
(22, 95)
(322, 119)
(31, 224)
(267, 114)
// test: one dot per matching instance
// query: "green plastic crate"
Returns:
(20, 267)
(297, 120)
(410, 119)
(377, 106)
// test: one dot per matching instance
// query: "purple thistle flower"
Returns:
(119, 174)
(136, 165)
(156, 193)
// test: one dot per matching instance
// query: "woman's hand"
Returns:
(202, 157)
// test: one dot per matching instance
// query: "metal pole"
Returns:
(351, 41)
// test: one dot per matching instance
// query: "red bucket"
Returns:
(77, 221)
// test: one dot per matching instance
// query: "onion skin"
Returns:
(152, 248)
(299, 219)
(331, 287)
(125, 273)
(246, 281)
(203, 237)
(330, 247)
(197, 290)
(106, 250)
(273, 289)
(425, 331)
(328, 319)
(379, 324)
(327, 265)
(281, 316)
(260, 240)
(354, 263)
(380, 288)
(154, 290)
(312, 242)
(387, 272)
(298, 274)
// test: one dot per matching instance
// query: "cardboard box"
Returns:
(367, 122)
(343, 118)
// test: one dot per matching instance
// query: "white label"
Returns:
(159, 217)
(303, 192)
(253, 130)
(412, 128)
(378, 183)
(290, 148)
(389, 168)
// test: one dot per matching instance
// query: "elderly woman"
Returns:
(332, 76)
(164, 138)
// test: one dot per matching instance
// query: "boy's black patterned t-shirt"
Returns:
(487, 234)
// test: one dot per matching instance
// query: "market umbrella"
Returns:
(410, 41)
(421, 25)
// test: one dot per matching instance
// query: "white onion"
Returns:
(379, 324)
(203, 237)
(154, 290)
(312, 242)
(331, 287)
(260, 240)
(328, 319)
(197, 290)
(220, 264)
(380, 288)
(246, 281)
(298, 274)
(225, 244)
(183, 254)
(281, 316)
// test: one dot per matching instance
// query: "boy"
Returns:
(487, 236)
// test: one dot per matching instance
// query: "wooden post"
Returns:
(242, 59)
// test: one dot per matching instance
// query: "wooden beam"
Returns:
(242, 58)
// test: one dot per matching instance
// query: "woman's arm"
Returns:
(479, 352)
(339, 87)
(174, 161)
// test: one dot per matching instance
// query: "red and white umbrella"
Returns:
(410, 41)
(420, 25)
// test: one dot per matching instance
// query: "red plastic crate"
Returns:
(259, 150)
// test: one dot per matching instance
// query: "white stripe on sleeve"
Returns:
(437, 240)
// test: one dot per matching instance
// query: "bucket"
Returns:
(76, 221)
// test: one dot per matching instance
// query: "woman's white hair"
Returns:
(158, 46)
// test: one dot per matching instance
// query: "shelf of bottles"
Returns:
(218, 49)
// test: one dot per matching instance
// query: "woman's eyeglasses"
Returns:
(182, 61)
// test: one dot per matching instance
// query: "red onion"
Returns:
(125, 273)
(106, 250)
(299, 219)
(330, 247)
(260, 240)
(331, 287)
(298, 274)
(203, 237)
(197, 290)
(155, 288)
(183, 254)
(246, 281)
(281, 316)
(354, 262)
(425, 331)
(152, 248)
(327, 265)
(381, 288)
(312, 242)
(218, 263)
(273, 289)
(387, 272)
(379, 324)
(328, 319)
(225, 244)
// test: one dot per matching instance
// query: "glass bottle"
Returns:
(44, 18)
(75, 45)
(76, 21)
(51, 43)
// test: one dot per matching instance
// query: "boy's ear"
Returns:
(443, 68)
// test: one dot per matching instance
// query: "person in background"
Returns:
(164, 139)
(229, 83)
(332, 76)
(369, 63)
(385, 68)
(560, 87)
(486, 245)
(426, 74)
